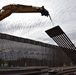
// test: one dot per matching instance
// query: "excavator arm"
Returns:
(16, 8)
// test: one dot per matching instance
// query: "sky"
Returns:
(33, 25)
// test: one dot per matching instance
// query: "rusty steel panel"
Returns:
(63, 42)
(60, 38)
(54, 31)
(20, 51)
(70, 53)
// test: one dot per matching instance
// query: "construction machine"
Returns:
(17, 8)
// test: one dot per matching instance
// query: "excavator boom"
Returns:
(17, 8)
